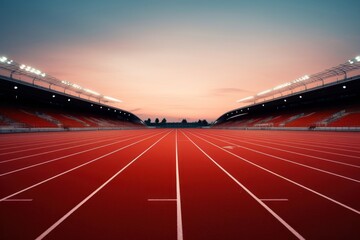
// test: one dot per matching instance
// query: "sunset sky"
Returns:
(179, 59)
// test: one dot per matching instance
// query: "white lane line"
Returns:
(287, 160)
(274, 199)
(18, 200)
(309, 149)
(52, 151)
(63, 218)
(178, 198)
(53, 145)
(162, 199)
(287, 151)
(74, 168)
(282, 221)
(282, 177)
(278, 142)
(66, 156)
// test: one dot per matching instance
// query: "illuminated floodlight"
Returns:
(264, 92)
(358, 58)
(31, 70)
(282, 86)
(306, 77)
(244, 99)
(351, 61)
(92, 92)
(76, 86)
(3, 59)
(112, 99)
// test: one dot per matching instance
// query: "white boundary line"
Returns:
(287, 151)
(178, 198)
(74, 168)
(89, 141)
(280, 142)
(286, 160)
(303, 148)
(282, 177)
(63, 218)
(70, 155)
(282, 221)
(52, 151)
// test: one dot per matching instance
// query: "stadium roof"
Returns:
(16, 69)
(304, 81)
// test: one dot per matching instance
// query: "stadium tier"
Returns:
(28, 107)
(334, 106)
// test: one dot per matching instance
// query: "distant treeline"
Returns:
(183, 124)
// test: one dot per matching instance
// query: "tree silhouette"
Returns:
(184, 121)
(148, 121)
(157, 121)
(163, 121)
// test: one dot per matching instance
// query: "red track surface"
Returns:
(180, 184)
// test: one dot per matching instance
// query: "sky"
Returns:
(179, 59)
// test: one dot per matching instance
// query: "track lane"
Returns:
(58, 196)
(20, 181)
(313, 216)
(335, 168)
(124, 204)
(214, 207)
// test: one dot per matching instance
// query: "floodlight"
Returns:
(92, 92)
(351, 62)
(112, 99)
(244, 99)
(282, 86)
(264, 92)
(358, 58)
(344, 87)
(69, 100)
(15, 87)
(53, 96)
(300, 96)
(3, 59)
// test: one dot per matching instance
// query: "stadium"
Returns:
(78, 161)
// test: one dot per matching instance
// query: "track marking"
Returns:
(55, 145)
(279, 142)
(70, 155)
(287, 151)
(229, 147)
(282, 221)
(282, 177)
(162, 199)
(287, 160)
(74, 168)
(178, 198)
(56, 150)
(18, 200)
(63, 218)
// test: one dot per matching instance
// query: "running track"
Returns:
(180, 184)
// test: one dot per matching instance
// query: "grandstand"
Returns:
(320, 101)
(30, 100)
